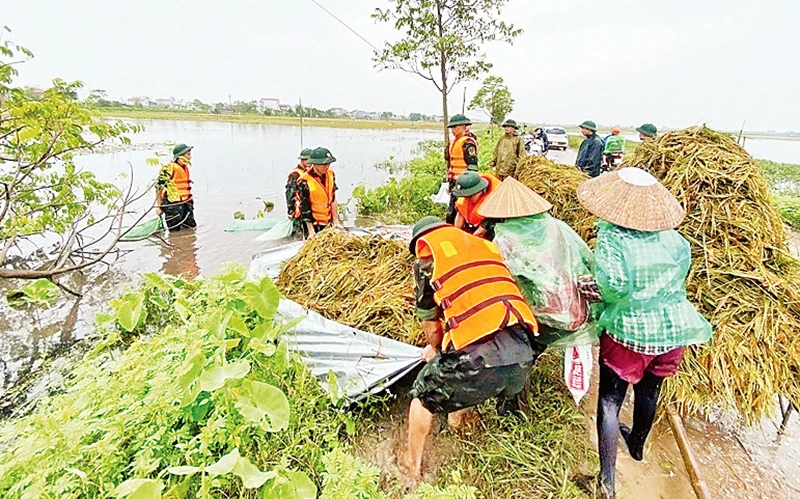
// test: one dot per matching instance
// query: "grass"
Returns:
(147, 114)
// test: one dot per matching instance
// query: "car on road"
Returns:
(557, 137)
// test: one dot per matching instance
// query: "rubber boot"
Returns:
(645, 394)
(609, 401)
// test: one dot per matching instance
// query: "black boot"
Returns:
(610, 397)
(645, 394)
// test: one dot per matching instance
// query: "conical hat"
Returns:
(631, 198)
(511, 200)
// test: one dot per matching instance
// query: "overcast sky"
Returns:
(621, 62)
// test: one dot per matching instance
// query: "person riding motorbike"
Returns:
(613, 150)
(541, 135)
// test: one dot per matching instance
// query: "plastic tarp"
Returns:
(546, 257)
(251, 225)
(359, 363)
(144, 230)
(443, 196)
(280, 230)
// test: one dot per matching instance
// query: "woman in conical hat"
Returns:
(546, 257)
(641, 264)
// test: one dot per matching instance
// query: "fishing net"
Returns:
(743, 278)
(365, 282)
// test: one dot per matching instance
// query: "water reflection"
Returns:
(179, 256)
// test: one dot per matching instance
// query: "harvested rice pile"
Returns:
(558, 184)
(743, 278)
(363, 282)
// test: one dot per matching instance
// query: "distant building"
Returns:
(265, 103)
(338, 111)
(285, 107)
(139, 100)
(165, 103)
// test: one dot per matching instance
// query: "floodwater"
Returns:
(236, 164)
(233, 165)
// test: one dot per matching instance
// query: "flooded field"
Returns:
(238, 167)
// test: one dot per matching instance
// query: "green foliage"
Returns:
(442, 40)
(38, 292)
(456, 490)
(347, 477)
(408, 198)
(42, 190)
(175, 409)
(789, 209)
(494, 99)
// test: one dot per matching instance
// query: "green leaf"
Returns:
(294, 485)
(215, 378)
(262, 298)
(281, 357)
(157, 282)
(183, 470)
(78, 472)
(265, 348)
(237, 325)
(225, 464)
(140, 488)
(130, 313)
(258, 400)
(252, 477)
(159, 302)
(38, 292)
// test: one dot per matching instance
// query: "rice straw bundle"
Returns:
(743, 278)
(363, 282)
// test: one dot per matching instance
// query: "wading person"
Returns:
(174, 190)
(509, 150)
(471, 190)
(316, 191)
(462, 154)
(647, 132)
(292, 198)
(590, 154)
(485, 350)
(641, 264)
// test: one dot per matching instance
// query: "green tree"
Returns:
(494, 99)
(43, 195)
(442, 40)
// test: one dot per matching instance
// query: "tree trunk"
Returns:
(443, 68)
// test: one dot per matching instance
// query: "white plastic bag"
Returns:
(578, 370)
(442, 197)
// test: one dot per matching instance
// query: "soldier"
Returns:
(462, 155)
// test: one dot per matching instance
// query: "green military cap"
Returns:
(648, 129)
(305, 154)
(425, 225)
(321, 156)
(510, 123)
(469, 183)
(180, 150)
(458, 119)
(589, 125)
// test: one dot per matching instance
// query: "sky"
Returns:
(617, 62)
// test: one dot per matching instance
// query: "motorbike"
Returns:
(612, 161)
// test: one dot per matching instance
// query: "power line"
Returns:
(412, 76)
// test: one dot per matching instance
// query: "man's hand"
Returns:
(159, 211)
(428, 353)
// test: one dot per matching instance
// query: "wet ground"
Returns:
(234, 166)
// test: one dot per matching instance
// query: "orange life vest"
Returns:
(322, 196)
(469, 210)
(458, 163)
(295, 199)
(180, 176)
(472, 284)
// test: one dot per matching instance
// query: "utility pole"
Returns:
(302, 112)
(464, 101)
